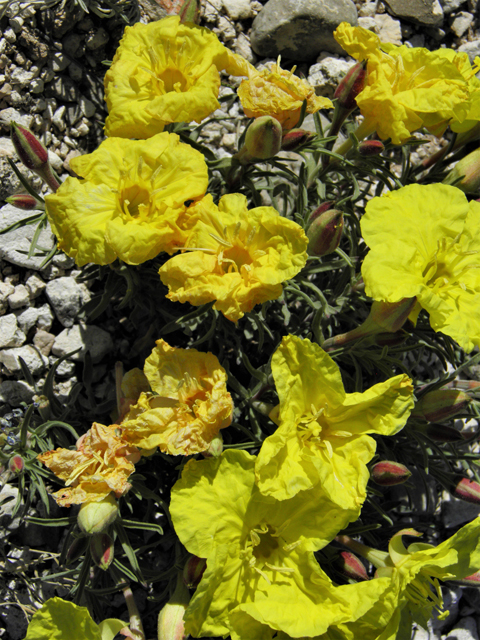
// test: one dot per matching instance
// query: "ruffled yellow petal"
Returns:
(279, 93)
(164, 72)
(238, 258)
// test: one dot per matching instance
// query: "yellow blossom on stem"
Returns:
(408, 87)
(128, 199)
(164, 72)
(425, 242)
(322, 438)
(261, 574)
(189, 404)
(100, 465)
(279, 93)
(235, 256)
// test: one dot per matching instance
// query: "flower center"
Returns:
(448, 266)
(172, 80)
(263, 548)
(425, 591)
(132, 197)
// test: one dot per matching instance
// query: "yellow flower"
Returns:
(261, 573)
(322, 435)
(409, 88)
(100, 465)
(165, 72)
(279, 93)
(237, 257)
(425, 242)
(189, 406)
(128, 200)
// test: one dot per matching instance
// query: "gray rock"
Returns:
(472, 48)
(44, 342)
(15, 245)
(326, 74)
(451, 603)
(427, 13)
(37, 85)
(457, 512)
(10, 334)
(33, 46)
(87, 107)
(461, 23)
(21, 77)
(97, 341)
(238, 9)
(66, 368)
(6, 115)
(67, 296)
(45, 317)
(8, 498)
(465, 629)
(14, 392)
(35, 286)
(300, 29)
(19, 298)
(27, 318)
(388, 29)
(34, 360)
(71, 44)
(99, 38)
(212, 9)
(63, 88)
(6, 289)
(451, 5)
(58, 118)
(243, 48)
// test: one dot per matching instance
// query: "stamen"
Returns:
(264, 576)
(280, 569)
(225, 243)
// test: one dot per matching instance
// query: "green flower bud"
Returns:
(387, 473)
(215, 447)
(264, 138)
(96, 517)
(170, 619)
(465, 175)
(441, 433)
(325, 232)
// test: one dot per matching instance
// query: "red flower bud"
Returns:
(441, 404)
(23, 201)
(351, 85)
(467, 490)
(369, 148)
(264, 138)
(325, 206)
(101, 548)
(296, 138)
(32, 153)
(193, 571)
(387, 473)
(324, 233)
(351, 566)
(76, 549)
(16, 464)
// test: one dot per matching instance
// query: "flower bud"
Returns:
(215, 447)
(442, 433)
(441, 404)
(467, 490)
(101, 549)
(32, 153)
(470, 581)
(193, 571)
(324, 233)
(465, 175)
(264, 137)
(351, 566)
(96, 517)
(369, 148)
(390, 339)
(23, 201)
(170, 619)
(76, 549)
(388, 473)
(351, 85)
(296, 138)
(16, 464)
(325, 206)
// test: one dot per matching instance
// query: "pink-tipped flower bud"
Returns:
(442, 433)
(387, 473)
(76, 549)
(390, 339)
(465, 175)
(296, 138)
(171, 625)
(193, 571)
(325, 206)
(351, 566)
(470, 581)
(23, 201)
(16, 464)
(352, 84)
(96, 517)
(391, 316)
(264, 137)
(441, 404)
(324, 233)
(467, 490)
(369, 148)
(101, 549)
(32, 153)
